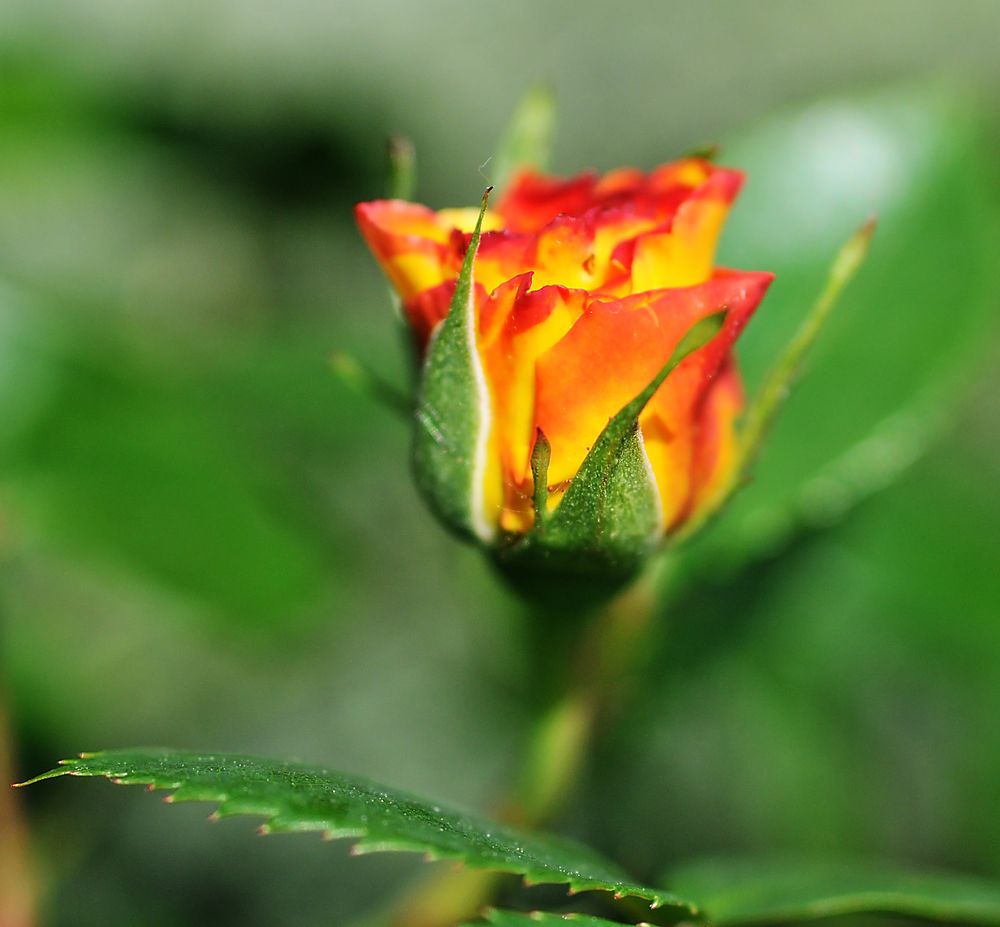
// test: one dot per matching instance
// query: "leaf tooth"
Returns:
(218, 777)
(224, 811)
(367, 845)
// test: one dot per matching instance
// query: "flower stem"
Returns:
(602, 662)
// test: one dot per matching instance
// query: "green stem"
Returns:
(605, 655)
(604, 659)
(554, 759)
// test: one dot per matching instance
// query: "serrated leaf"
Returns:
(527, 140)
(738, 892)
(543, 919)
(294, 797)
(610, 516)
(453, 411)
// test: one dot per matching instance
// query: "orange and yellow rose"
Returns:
(583, 289)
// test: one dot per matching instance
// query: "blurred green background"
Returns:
(206, 541)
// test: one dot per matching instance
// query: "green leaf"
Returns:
(883, 628)
(527, 140)
(542, 919)
(736, 892)
(122, 461)
(610, 516)
(910, 331)
(449, 446)
(293, 797)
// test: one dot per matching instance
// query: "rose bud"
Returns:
(578, 392)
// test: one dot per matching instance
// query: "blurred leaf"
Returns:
(856, 677)
(752, 891)
(120, 459)
(293, 798)
(908, 332)
(527, 140)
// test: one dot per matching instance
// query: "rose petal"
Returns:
(410, 243)
(616, 348)
(517, 326)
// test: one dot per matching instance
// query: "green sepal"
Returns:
(541, 454)
(785, 373)
(610, 519)
(402, 178)
(787, 370)
(707, 152)
(452, 412)
(359, 377)
(527, 140)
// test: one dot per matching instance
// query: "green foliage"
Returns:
(109, 455)
(452, 411)
(910, 329)
(739, 892)
(864, 710)
(842, 696)
(292, 797)
(296, 798)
